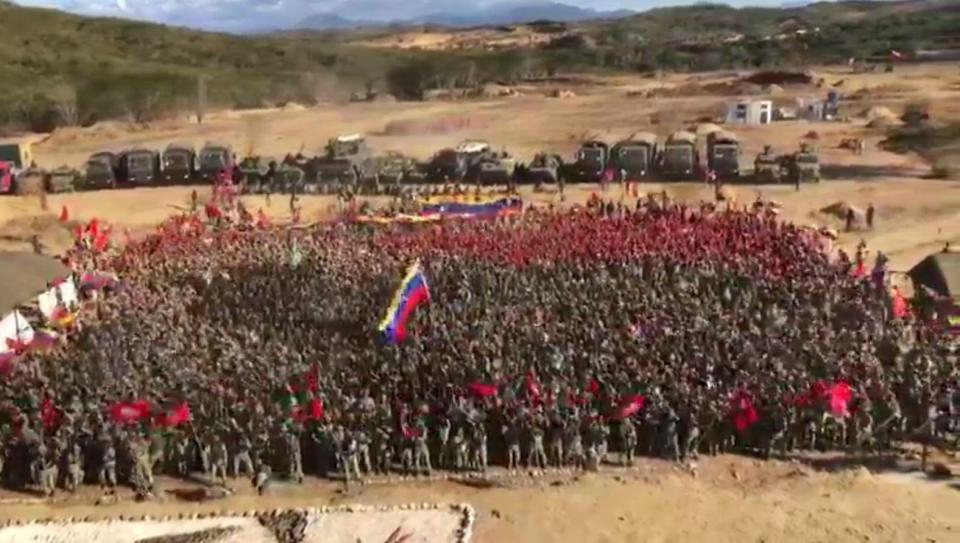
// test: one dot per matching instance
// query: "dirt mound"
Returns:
(562, 93)
(426, 127)
(880, 117)
(780, 78)
(838, 210)
(491, 90)
(773, 89)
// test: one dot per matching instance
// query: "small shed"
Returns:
(750, 112)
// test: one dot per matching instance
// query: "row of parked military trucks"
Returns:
(349, 161)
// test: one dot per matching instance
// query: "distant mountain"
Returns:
(494, 15)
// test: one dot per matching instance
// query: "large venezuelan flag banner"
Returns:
(413, 291)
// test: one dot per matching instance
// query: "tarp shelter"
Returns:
(939, 273)
(23, 276)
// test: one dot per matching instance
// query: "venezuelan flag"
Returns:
(469, 210)
(412, 292)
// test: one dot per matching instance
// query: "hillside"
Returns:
(60, 69)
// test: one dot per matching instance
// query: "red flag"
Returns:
(742, 410)
(631, 405)
(901, 308)
(839, 396)
(177, 416)
(860, 272)
(262, 220)
(101, 241)
(93, 227)
(78, 232)
(312, 411)
(212, 211)
(64, 214)
(17, 345)
(482, 390)
(130, 412)
(532, 385)
(49, 414)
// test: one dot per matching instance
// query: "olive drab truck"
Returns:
(723, 154)
(544, 168)
(635, 156)
(802, 166)
(446, 165)
(62, 179)
(591, 161)
(213, 160)
(101, 170)
(679, 159)
(139, 167)
(178, 164)
(493, 169)
(766, 166)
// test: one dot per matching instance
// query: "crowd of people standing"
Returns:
(556, 338)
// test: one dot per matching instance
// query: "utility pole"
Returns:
(201, 97)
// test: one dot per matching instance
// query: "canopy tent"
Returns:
(939, 273)
(23, 276)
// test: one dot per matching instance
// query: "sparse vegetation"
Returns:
(58, 69)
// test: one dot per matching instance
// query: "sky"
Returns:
(238, 15)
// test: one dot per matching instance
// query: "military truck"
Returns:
(591, 161)
(289, 179)
(62, 179)
(19, 154)
(139, 167)
(802, 166)
(679, 159)
(492, 169)
(723, 154)
(544, 168)
(446, 165)
(395, 168)
(635, 156)
(101, 170)
(213, 160)
(178, 164)
(473, 150)
(766, 166)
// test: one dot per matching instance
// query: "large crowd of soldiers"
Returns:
(540, 329)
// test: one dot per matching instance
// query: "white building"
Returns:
(752, 112)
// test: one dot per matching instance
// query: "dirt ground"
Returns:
(730, 499)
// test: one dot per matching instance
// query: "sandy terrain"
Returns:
(731, 499)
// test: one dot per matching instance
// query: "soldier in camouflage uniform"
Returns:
(294, 456)
(511, 436)
(108, 467)
(421, 458)
(219, 457)
(383, 451)
(74, 467)
(443, 435)
(537, 456)
(478, 447)
(349, 458)
(557, 431)
(628, 435)
(241, 457)
(460, 448)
